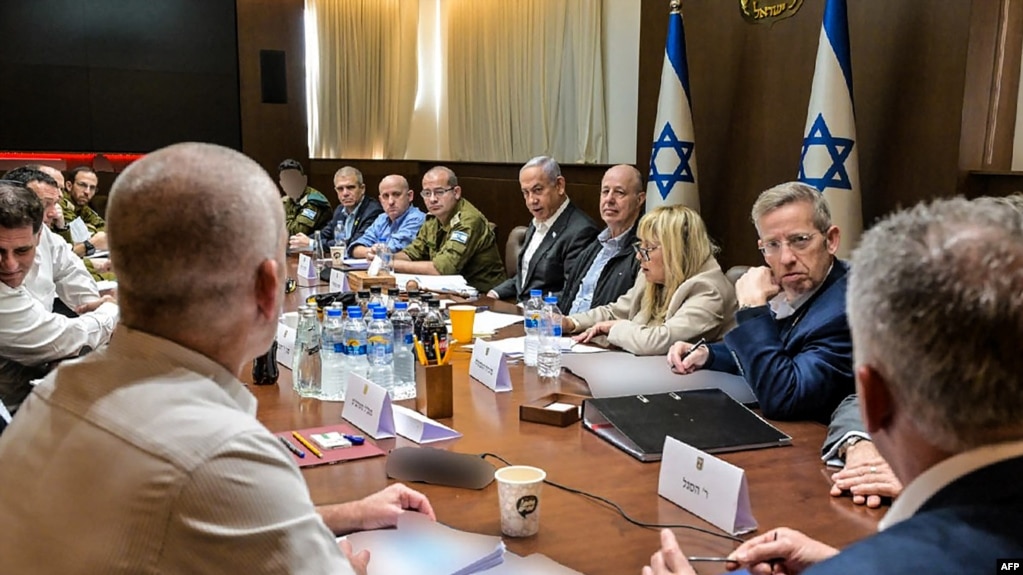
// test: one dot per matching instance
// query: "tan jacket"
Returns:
(703, 306)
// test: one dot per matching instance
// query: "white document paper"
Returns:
(106, 285)
(489, 366)
(419, 428)
(706, 486)
(368, 407)
(487, 322)
(514, 347)
(286, 341)
(338, 280)
(450, 284)
(79, 231)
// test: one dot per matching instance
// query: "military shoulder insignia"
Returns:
(308, 213)
(460, 236)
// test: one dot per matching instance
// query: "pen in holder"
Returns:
(434, 390)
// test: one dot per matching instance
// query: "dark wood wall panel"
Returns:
(272, 132)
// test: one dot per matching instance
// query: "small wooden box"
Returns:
(538, 412)
(434, 390)
(360, 280)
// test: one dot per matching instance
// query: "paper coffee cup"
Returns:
(462, 319)
(518, 491)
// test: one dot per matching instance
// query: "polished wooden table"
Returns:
(788, 486)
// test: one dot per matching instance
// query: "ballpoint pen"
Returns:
(693, 349)
(291, 447)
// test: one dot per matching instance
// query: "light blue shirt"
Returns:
(609, 247)
(396, 234)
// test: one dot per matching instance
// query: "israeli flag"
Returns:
(673, 159)
(829, 160)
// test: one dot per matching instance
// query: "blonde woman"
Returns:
(681, 294)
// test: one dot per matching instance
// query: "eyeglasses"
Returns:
(644, 252)
(427, 194)
(796, 243)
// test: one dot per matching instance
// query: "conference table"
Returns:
(788, 486)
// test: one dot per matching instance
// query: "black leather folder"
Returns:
(707, 419)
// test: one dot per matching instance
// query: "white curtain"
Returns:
(361, 76)
(524, 78)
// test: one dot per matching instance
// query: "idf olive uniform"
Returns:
(310, 213)
(465, 246)
(92, 220)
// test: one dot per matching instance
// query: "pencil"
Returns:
(420, 352)
(291, 447)
(306, 443)
(436, 349)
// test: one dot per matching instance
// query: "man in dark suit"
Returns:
(792, 343)
(936, 311)
(352, 217)
(864, 474)
(607, 268)
(557, 235)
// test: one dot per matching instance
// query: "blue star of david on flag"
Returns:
(668, 142)
(838, 149)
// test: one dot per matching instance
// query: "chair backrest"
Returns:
(516, 239)
(736, 272)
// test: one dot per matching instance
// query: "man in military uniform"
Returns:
(455, 239)
(305, 209)
(79, 190)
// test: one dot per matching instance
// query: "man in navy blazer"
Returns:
(355, 213)
(792, 341)
(936, 310)
(557, 235)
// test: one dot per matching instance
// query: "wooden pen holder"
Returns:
(434, 390)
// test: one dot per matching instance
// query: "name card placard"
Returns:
(368, 407)
(419, 428)
(307, 275)
(338, 280)
(489, 366)
(706, 486)
(286, 345)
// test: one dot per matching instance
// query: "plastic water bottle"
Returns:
(548, 361)
(332, 356)
(339, 238)
(404, 355)
(355, 342)
(532, 312)
(307, 370)
(381, 350)
(433, 325)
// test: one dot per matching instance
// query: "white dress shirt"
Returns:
(146, 457)
(31, 335)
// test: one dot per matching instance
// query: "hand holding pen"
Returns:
(683, 357)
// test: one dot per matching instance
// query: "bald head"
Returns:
(188, 227)
(621, 198)
(57, 175)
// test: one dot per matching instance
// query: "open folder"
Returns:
(707, 419)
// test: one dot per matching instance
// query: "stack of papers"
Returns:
(514, 347)
(356, 263)
(487, 322)
(423, 547)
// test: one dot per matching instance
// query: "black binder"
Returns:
(707, 419)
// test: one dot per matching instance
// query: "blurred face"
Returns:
(293, 182)
(50, 195)
(440, 198)
(394, 198)
(17, 254)
(542, 196)
(83, 188)
(651, 260)
(621, 199)
(349, 190)
(798, 253)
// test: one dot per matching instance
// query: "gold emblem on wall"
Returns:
(764, 11)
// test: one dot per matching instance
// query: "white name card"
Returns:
(286, 345)
(307, 275)
(368, 407)
(706, 486)
(338, 280)
(419, 428)
(79, 231)
(489, 366)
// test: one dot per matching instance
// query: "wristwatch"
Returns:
(844, 448)
(89, 248)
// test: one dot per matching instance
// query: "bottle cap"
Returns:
(380, 313)
(400, 305)
(535, 293)
(354, 311)
(333, 312)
